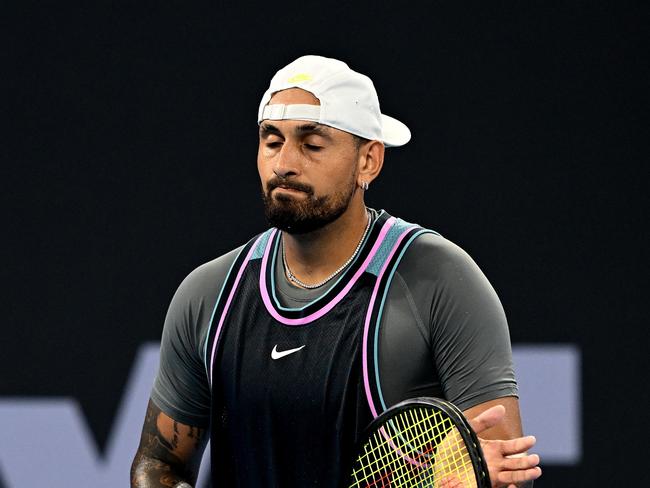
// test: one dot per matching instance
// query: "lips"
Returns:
(288, 186)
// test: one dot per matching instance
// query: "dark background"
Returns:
(129, 147)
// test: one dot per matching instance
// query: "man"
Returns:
(287, 347)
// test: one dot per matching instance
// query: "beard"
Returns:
(301, 216)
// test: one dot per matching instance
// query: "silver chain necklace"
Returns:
(295, 280)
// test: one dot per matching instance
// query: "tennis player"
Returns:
(282, 351)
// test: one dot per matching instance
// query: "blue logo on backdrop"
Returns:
(549, 384)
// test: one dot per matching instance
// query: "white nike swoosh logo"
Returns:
(275, 354)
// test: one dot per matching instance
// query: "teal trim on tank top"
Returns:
(258, 253)
(274, 259)
(387, 245)
(214, 309)
(381, 309)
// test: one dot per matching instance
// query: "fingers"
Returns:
(520, 462)
(507, 477)
(507, 460)
(491, 417)
(517, 446)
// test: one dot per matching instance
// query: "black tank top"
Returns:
(294, 388)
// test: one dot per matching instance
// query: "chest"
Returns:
(265, 365)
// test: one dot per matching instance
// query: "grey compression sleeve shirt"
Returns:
(443, 333)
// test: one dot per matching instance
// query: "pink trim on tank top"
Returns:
(229, 301)
(310, 318)
(366, 328)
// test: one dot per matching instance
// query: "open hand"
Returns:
(508, 462)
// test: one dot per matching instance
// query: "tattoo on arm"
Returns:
(166, 458)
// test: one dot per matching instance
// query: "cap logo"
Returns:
(300, 77)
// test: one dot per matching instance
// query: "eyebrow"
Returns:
(267, 129)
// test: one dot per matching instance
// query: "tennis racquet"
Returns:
(422, 442)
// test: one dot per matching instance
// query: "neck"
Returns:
(315, 256)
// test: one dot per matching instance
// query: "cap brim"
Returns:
(394, 132)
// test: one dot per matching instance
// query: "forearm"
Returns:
(169, 453)
(147, 472)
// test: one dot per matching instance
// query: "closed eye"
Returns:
(312, 147)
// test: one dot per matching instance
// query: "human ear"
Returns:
(371, 160)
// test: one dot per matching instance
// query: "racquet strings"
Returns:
(419, 447)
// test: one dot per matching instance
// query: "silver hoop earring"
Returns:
(364, 185)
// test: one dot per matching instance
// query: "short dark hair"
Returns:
(359, 141)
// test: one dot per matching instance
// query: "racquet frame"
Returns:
(447, 409)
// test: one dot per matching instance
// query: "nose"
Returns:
(287, 162)
(282, 172)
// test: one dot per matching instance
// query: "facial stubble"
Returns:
(307, 214)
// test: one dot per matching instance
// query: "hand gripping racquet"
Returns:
(422, 442)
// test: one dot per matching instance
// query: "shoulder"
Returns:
(432, 257)
(442, 280)
(435, 246)
(190, 309)
(209, 276)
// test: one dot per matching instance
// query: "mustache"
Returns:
(276, 182)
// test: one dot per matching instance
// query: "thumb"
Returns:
(491, 417)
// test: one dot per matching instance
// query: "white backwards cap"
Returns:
(348, 100)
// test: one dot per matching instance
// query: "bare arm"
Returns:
(169, 452)
(509, 427)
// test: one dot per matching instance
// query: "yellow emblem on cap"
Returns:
(300, 77)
